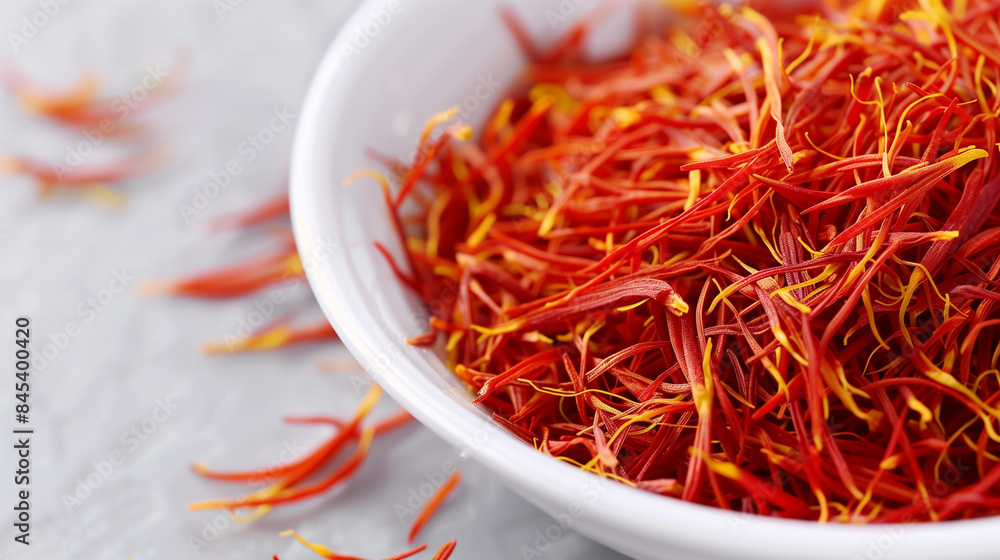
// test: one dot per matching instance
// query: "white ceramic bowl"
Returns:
(394, 64)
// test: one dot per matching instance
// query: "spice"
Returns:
(293, 482)
(248, 277)
(241, 279)
(92, 179)
(81, 106)
(274, 209)
(252, 275)
(331, 555)
(280, 336)
(759, 274)
(444, 553)
(433, 504)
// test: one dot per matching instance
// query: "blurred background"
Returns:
(123, 401)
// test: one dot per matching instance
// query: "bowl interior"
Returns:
(396, 63)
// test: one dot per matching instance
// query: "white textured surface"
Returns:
(136, 352)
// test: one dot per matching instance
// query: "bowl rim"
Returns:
(655, 517)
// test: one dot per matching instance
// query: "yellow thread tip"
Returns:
(154, 288)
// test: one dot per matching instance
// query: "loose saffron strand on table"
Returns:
(444, 553)
(280, 336)
(289, 485)
(325, 552)
(433, 504)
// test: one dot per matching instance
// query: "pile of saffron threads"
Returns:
(759, 274)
